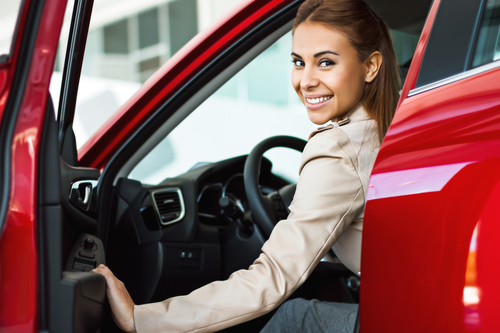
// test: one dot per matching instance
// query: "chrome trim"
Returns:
(454, 78)
(181, 202)
(78, 201)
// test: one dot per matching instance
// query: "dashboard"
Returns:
(186, 231)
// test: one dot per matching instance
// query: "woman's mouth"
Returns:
(317, 102)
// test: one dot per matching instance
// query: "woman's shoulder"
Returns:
(342, 140)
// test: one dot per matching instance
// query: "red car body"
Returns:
(431, 215)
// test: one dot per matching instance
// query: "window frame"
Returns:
(461, 19)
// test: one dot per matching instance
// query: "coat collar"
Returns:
(357, 114)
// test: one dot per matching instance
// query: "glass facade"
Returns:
(128, 41)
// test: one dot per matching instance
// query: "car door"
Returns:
(48, 240)
(431, 216)
(24, 82)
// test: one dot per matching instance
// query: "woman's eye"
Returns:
(326, 63)
(298, 63)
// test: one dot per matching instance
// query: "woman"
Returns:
(345, 73)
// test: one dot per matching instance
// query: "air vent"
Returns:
(169, 205)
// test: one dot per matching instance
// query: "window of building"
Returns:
(183, 23)
(116, 37)
(148, 28)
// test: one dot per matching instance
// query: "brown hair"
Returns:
(367, 33)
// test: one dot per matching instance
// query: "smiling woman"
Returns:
(343, 76)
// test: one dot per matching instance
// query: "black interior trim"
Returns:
(14, 101)
(214, 68)
(69, 301)
(80, 22)
(50, 225)
(445, 56)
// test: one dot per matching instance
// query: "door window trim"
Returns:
(455, 78)
(446, 56)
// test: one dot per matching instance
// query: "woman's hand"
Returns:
(121, 303)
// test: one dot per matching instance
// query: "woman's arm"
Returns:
(329, 196)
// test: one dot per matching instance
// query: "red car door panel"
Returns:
(428, 244)
(39, 31)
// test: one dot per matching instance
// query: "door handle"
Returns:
(80, 194)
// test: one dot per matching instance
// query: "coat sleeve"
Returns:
(328, 197)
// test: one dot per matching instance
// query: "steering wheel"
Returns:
(270, 209)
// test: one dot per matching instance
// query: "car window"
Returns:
(128, 41)
(8, 17)
(405, 44)
(449, 47)
(255, 104)
(488, 41)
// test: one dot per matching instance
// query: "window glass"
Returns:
(255, 104)
(404, 46)
(56, 79)
(488, 41)
(128, 41)
(8, 17)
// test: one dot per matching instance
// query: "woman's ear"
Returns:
(373, 64)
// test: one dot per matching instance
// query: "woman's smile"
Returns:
(314, 102)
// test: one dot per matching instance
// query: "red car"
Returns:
(166, 228)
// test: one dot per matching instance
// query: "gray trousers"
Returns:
(300, 315)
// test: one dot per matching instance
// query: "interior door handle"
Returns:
(80, 194)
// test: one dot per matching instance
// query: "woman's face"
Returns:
(327, 74)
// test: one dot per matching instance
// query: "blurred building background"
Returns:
(130, 39)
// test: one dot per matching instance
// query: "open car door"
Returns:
(48, 243)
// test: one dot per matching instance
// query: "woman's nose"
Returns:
(309, 79)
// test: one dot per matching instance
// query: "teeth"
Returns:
(318, 100)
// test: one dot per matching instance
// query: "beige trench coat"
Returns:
(326, 211)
